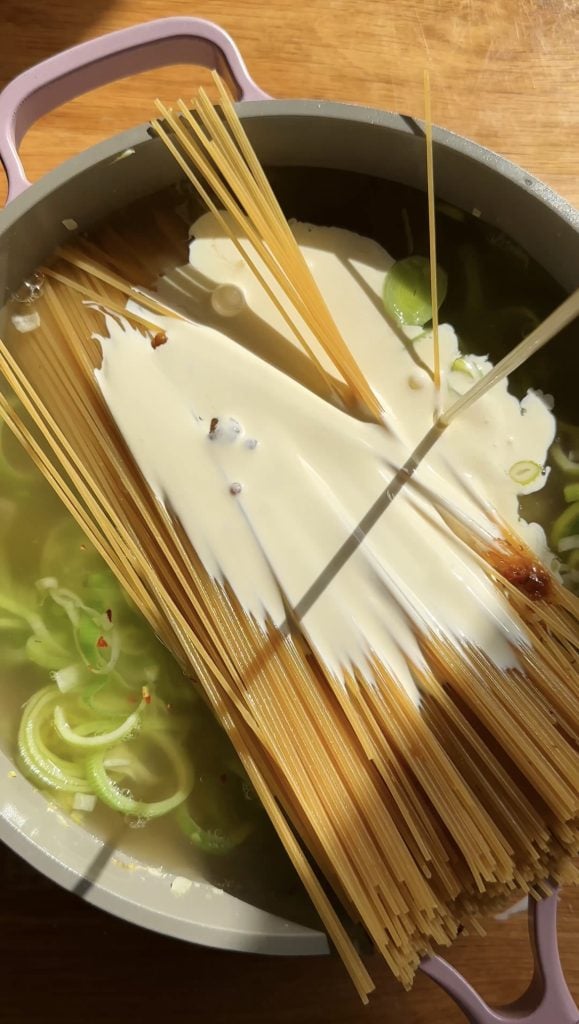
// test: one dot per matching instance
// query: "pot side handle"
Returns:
(547, 999)
(106, 59)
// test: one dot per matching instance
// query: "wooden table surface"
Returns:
(504, 72)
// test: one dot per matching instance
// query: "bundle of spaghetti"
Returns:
(213, 153)
(422, 816)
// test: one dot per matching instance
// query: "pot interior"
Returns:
(496, 294)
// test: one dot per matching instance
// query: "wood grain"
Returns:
(504, 72)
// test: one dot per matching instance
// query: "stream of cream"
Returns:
(269, 479)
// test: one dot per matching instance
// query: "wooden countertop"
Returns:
(504, 72)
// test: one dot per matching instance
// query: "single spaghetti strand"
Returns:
(432, 244)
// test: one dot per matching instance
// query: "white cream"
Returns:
(270, 492)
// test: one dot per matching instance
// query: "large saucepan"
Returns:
(94, 185)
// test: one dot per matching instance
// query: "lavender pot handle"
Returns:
(100, 61)
(547, 999)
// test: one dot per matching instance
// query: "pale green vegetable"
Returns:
(462, 365)
(96, 739)
(406, 294)
(567, 465)
(114, 725)
(566, 525)
(212, 840)
(524, 472)
(569, 543)
(111, 793)
(451, 211)
(571, 492)
(42, 765)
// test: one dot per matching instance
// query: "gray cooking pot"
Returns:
(134, 164)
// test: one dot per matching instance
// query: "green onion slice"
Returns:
(524, 472)
(406, 293)
(95, 739)
(214, 841)
(37, 761)
(566, 525)
(571, 492)
(567, 465)
(112, 795)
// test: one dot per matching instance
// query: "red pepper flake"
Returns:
(213, 425)
(109, 614)
(101, 642)
(159, 339)
(146, 695)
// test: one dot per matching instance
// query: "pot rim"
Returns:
(250, 110)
